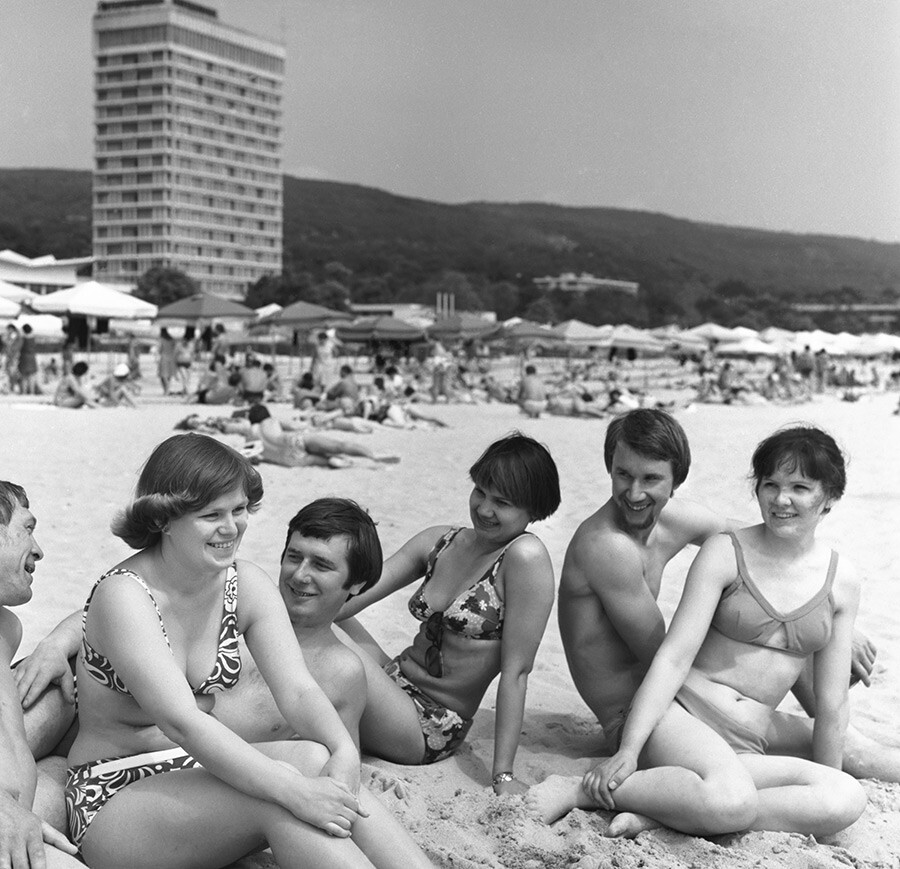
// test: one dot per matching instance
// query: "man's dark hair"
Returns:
(11, 495)
(652, 433)
(325, 518)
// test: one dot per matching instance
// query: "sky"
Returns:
(775, 114)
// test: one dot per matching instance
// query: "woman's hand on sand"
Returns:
(46, 665)
(862, 659)
(601, 782)
(513, 786)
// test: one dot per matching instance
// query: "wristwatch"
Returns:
(501, 777)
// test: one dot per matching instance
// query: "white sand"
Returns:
(80, 466)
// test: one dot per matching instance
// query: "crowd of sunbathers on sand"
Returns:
(217, 714)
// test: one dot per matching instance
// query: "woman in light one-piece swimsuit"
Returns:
(482, 608)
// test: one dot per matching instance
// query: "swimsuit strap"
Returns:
(227, 668)
(97, 664)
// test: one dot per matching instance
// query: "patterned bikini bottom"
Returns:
(90, 786)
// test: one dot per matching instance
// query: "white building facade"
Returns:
(187, 174)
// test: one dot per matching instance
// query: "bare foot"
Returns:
(556, 796)
(626, 825)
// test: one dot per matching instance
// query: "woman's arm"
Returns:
(273, 644)
(710, 573)
(830, 668)
(528, 592)
(124, 626)
(406, 565)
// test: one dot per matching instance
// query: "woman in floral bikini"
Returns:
(482, 607)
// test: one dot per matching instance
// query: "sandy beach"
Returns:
(79, 467)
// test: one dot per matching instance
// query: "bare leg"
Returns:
(863, 757)
(389, 727)
(322, 445)
(690, 780)
(384, 840)
(803, 797)
(49, 796)
(191, 819)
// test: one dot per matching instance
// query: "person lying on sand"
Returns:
(692, 751)
(23, 833)
(294, 449)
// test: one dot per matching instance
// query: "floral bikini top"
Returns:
(224, 673)
(478, 611)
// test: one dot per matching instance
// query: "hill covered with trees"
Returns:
(347, 241)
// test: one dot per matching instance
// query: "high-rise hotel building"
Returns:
(188, 146)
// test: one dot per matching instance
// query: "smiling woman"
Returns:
(482, 606)
(159, 639)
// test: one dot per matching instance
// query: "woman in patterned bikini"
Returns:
(154, 779)
(757, 604)
(482, 607)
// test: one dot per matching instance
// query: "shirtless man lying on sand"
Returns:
(610, 623)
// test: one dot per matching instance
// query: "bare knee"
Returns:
(839, 804)
(305, 756)
(728, 804)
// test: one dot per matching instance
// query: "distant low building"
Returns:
(569, 282)
(878, 315)
(42, 274)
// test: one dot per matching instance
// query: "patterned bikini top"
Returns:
(224, 673)
(743, 614)
(477, 613)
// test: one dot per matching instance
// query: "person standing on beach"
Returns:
(532, 393)
(22, 832)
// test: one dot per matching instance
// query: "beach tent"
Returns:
(524, 330)
(93, 299)
(205, 306)
(9, 310)
(14, 293)
(739, 333)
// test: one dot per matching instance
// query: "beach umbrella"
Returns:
(625, 337)
(205, 306)
(9, 310)
(713, 332)
(461, 327)
(306, 315)
(747, 347)
(93, 299)
(525, 330)
(15, 294)
(679, 339)
(380, 329)
(579, 334)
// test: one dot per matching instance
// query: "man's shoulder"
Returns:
(599, 548)
(336, 664)
(687, 521)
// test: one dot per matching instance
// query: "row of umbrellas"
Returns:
(94, 299)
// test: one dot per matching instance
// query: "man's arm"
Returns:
(49, 662)
(613, 570)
